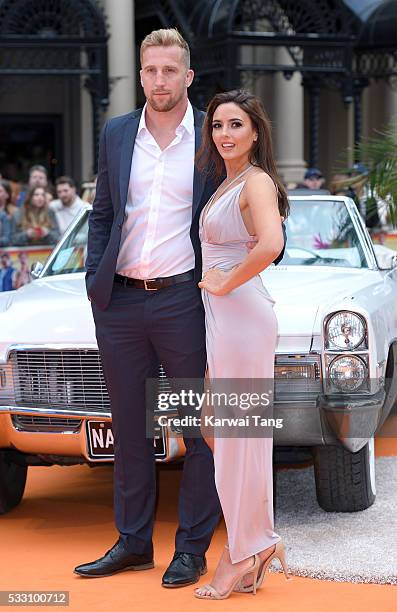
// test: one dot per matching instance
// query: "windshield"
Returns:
(318, 233)
(71, 256)
(322, 234)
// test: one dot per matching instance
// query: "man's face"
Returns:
(165, 77)
(66, 193)
(37, 179)
(314, 182)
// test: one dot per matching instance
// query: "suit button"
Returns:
(120, 225)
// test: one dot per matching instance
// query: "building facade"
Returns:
(325, 70)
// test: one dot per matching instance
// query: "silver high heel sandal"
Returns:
(278, 553)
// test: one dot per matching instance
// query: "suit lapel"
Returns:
(198, 179)
(127, 148)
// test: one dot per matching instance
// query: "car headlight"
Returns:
(347, 373)
(344, 331)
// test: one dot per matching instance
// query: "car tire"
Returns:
(12, 482)
(345, 481)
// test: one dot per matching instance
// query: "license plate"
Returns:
(100, 440)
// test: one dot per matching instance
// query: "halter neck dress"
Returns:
(241, 335)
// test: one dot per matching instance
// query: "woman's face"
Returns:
(3, 196)
(38, 197)
(233, 132)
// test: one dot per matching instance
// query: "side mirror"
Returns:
(36, 269)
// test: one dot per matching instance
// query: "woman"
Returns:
(35, 222)
(22, 276)
(241, 327)
(5, 214)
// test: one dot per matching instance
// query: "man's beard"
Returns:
(168, 104)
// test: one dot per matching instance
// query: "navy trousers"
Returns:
(138, 330)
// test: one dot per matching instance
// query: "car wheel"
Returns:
(345, 481)
(12, 482)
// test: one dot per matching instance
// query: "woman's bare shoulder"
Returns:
(260, 177)
(258, 182)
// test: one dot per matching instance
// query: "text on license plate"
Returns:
(101, 441)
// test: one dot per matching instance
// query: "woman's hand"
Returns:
(215, 281)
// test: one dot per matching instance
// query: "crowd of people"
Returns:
(38, 213)
(33, 215)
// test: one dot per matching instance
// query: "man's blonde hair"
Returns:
(166, 37)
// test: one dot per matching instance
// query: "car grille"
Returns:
(68, 380)
(60, 379)
(44, 423)
(73, 380)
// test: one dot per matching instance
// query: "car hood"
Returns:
(50, 310)
(55, 310)
(304, 295)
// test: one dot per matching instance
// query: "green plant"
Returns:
(379, 154)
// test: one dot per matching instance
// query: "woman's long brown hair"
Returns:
(7, 188)
(209, 160)
(33, 216)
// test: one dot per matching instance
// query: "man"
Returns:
(7, 271)
(313, 180)
(143, 266)
(38, 177)
(68, 204)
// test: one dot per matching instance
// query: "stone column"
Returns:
(288, 122)
(87, 158)
(391, 104)
(121, 53)
(350, 135)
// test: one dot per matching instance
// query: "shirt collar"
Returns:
(187, 122)
(188, 119)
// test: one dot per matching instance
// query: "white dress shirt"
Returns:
(155, 237)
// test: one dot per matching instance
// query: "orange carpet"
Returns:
(66, 519)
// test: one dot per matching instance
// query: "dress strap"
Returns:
(212, 200)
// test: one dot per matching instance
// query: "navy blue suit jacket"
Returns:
(107, 217)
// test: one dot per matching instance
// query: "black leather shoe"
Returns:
(117, 559)
(183, 570)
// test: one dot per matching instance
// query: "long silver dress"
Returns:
(241, 334)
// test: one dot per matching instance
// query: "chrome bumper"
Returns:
(55, 378)
(68, 439)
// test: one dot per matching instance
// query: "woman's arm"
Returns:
(261, 197)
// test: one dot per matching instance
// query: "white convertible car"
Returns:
(335, 366)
